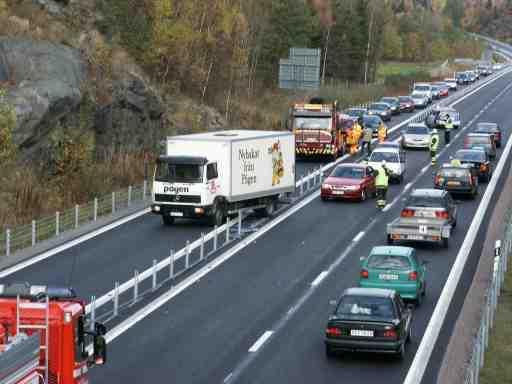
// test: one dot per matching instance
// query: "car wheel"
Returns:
(424, 290)
(488, 177)
(324, 198)
(454, 224)
(401, 179)
(363, 195)
(389, 240)
(419, 299)
(444, 242)
(401, 352)
(329, 352)
(409, 335)
(167, 220)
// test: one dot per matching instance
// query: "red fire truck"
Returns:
(317, 129)
(43, 336)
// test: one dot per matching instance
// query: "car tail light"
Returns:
(333, 331)
(437, 180)
(364, 273)
(413, 276)
(407, 213)
(483, 167)
(442, 215)
(391, 334)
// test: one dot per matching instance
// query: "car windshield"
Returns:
(404, 99)
(417, 130)
(371, 120)
(436, 87)
(470, 155)
(478, 140)
(418, 96)
(309, 122)
(348, 172)
(424, 201)
(378, 156)
(365, 308)
(379, 106)
(388, 100)
(388, 262)
(456, 173)
(450, 80)
(179, 173)
(422, 88)
(355, 112)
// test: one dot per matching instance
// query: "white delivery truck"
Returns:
(215, 174)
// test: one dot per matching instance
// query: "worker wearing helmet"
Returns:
(455, 162)
(434, 144)
(381, 183)
(367, 140)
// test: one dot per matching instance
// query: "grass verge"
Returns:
(497, 367)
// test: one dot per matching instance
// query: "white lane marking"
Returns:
(199, 274)
(387, 207)
(318, 279)
(358, 237)
(228, 377)
(429, 339)
(424, 169)
(45, 255)
(407, 186)
(263, 338)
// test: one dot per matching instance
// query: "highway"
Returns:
(204, 334)
(93, 266)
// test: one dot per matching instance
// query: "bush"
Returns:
(406, 79)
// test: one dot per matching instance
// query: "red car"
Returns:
(349, 181)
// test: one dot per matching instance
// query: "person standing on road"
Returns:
(367, 140)
(448, 126)
(381, 133)
(381, 183)
(434, 144)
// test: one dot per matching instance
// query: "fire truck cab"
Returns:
(54, 319)
(317, 129)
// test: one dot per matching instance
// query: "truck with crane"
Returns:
(44, 337)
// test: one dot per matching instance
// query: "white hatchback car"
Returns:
(395, 161)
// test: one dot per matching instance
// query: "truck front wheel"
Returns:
(217, 217)
(167, 220)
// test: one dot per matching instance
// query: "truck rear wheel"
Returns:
(167, 220)
(268, 210)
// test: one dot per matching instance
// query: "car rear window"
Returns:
(478, 140)
(425, 201)
(378, 106)
(454, 173)
(390, 157)
(470, 155)
(348, 172)
(417, 130)
(404, 99)
(389, 262)
(486, 127)
(365, 308)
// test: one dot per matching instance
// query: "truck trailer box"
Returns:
(227, 167)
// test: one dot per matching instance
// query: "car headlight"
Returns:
(351, 187)
(326, 186)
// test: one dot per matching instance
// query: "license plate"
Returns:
(388, 276)
(177, 214)
(361, 333)
(415, 237)
(338, 192)
(423, 229)
(453, 183)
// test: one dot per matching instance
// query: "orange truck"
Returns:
(43, 336)
(322, 130)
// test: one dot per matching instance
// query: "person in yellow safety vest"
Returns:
(351, 140)
(381, 133)
(455, 162)
(358, 131)
(381, 183)
(448, 126)
(434, 144)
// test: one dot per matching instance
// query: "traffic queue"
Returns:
(377, 315)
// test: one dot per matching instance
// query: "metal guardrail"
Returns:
(177, 263)
(28, 235)
(481, 340)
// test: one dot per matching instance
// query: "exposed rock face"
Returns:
(134, 119)
(45, 86)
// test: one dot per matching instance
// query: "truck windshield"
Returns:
(308, 122)
(179, 173)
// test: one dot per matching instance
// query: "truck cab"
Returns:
(52, 319)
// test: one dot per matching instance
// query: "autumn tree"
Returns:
(7, 125)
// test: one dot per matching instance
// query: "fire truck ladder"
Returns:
(45, 328)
